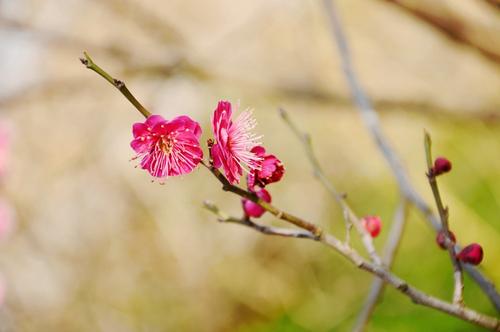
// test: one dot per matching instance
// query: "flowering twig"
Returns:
(349, 214)
(371, 120)
(443, 214)
(391, 246)
(226, 186)
(268, 230)
(120, 85)
(348, 252)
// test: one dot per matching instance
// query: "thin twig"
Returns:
(268, 230)
(444, 215)
(120, 85)
(349, 214)
(371, 120)
(227, 186)
(390, 249)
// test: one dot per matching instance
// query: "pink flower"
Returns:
(167, 148)
(372, 224)
(252, 209)
(472, 254)
(271, 169)
(234, 142)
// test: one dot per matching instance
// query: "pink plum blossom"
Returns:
(252, 209)
(167, 148)
(234, 142)
(271, 169)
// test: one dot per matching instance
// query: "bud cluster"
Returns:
(471, 254)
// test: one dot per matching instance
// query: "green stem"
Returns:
(120, 85)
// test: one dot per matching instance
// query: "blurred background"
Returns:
(93, 245)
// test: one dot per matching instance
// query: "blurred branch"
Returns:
(349, 214)
(390, 249)
(444, 214)
(268, 230)
(120, 85)
(495, 3)
(452, 27)
(371, 120)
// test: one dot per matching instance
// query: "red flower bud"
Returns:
(441, 166)
(252, 209)
(472, 254)
(372, 224)
(441, 239)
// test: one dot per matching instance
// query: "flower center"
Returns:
(166, 144)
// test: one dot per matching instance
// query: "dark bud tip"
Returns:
(441, 166)
(472, 254)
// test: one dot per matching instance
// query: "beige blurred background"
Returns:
(98, 247)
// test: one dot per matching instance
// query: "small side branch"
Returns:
(443, 214)
(226, 186)
(120, 85)
(390, 250)
(268, 230)
(349, 215)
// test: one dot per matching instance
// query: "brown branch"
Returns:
(445, 228)
(349, 214)
(371, 120)
(226, 186)
(268, 230)
(392, 244)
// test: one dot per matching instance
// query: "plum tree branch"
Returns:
(268, 230)
(390, 249)
(444, 215)
(416, 295)
(348, 252)
(371, 120)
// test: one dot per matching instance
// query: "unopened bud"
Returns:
(372, 224)
(472, 254)
(441, 166)
(252, 209)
